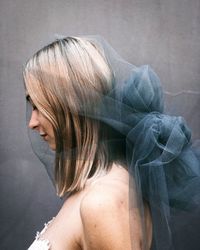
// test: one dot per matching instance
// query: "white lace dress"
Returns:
(40, 243)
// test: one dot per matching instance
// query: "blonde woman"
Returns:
(91, 107)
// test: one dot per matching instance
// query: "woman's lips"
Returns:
(44, 136)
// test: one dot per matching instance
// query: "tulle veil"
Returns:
(162, 151)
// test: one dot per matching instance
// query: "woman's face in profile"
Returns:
(42, 125)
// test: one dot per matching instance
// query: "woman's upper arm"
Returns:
(105, 219)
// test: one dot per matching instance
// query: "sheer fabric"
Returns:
(163, 163)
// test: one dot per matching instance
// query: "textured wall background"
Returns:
(164, 34)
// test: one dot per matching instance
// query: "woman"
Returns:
(103, 118)
(60, 80)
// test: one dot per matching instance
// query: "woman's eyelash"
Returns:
(34, 107)
(31, 102)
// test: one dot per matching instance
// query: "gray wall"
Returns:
(164, 34)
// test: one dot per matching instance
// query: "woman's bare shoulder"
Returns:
(104, 212)
(112, 189)
(103, 198)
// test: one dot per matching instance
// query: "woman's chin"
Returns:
(52, 146)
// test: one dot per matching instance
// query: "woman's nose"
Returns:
(34, 122)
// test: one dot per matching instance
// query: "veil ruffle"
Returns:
(161, 158)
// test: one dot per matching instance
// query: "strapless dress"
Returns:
(39, 243)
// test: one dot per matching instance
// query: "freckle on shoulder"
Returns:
(103, 197)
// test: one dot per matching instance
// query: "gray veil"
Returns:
(162, 153)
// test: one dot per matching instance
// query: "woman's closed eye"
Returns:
(31, 102)
(33, 106)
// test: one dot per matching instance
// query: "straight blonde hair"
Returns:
(66, 81)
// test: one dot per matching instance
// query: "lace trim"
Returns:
(39, 242)
(38, 234)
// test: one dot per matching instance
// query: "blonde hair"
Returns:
(66, 81)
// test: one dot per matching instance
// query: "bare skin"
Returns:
(98, 217)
